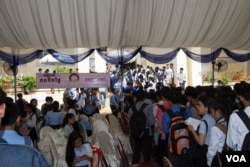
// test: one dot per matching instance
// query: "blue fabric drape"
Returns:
(20, 59)
(205, 58)
(160, 59)
(237, 57)
(70, 59)
(118, 59)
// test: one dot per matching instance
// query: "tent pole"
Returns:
(14, 69)
(213, 63)
(121, 52)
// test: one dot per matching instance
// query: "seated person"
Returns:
(67, 125)
(31, 120)
(47, 106)
(54, 118)
(8, 124)
(88, 109)
(16, 154)
(78, 153)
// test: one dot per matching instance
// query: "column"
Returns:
(181, 62)
(100, 63)
(194, 69)
(83, 66)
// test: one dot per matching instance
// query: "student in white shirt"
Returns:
(202, 134)
(236, 128)
(169, 74)
(181, 77)
(220, 112)
(80, 99)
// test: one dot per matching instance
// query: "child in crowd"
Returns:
(78, 153)
(220, 111)
(68, 121)
(31, 120)
(88, 109)
(202, 134)
(72, 106)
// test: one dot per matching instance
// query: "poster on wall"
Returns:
(72, 80)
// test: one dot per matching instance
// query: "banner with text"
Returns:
(72, 80)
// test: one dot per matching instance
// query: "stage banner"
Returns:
(72, 80)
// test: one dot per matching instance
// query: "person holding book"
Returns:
(201, 136)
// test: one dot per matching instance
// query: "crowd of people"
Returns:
(20, 120)
(217, 108)
(146, 77)
(133, 90)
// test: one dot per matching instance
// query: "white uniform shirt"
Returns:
(216, 143)
(181, 77)
(169, 75)
(237, 130)
(80, 98)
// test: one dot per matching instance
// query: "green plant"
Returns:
(7, 80)
(224, 80)
(28, 83)
(60, 69)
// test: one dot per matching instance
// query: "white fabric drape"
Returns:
(46, 24)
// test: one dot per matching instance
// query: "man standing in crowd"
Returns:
(181, 77)
(168, 74)
(172, 68)
(102, 96)
(237, 129)
(80, 99)
(191, 94)
(143, 144)
(114, 100)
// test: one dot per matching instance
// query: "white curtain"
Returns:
(46, 24)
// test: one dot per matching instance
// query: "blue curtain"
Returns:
(237, 57)
(70, 59)
(20, 59)
(160, 59)
(118, 59)
(205, 58)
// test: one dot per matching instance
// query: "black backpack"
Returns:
(246, 142)
(138, 123)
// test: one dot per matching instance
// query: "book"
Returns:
(194, 122)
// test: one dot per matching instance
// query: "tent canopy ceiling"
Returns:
(46, 24)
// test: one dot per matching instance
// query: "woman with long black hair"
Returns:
(78, 153)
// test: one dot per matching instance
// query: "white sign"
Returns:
(72, 80)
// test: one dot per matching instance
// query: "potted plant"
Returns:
(28, 83)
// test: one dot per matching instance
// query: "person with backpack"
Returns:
(173, 123)
(220, 110)
(162, 142)
(238, 134)
(201, 135)
(192, 94)
(141, 122)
